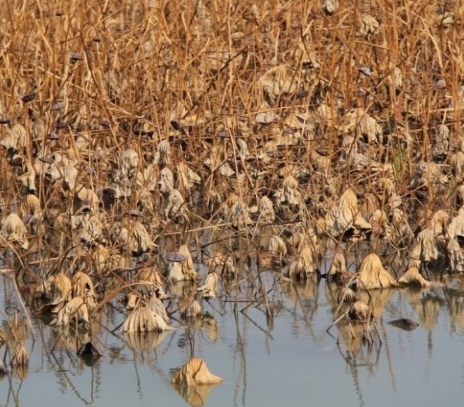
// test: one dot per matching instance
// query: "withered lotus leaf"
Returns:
(144, 319)
(74, 310)
(277, 246)
(14, 231)
(195, 372)
(413, 276)
(360, 311)
(372, 275)
(208, 288)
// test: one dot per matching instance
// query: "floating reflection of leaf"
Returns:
(144, 341)
(196, 396)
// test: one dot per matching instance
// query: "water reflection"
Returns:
(237, 334)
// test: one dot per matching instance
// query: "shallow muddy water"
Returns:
(290, 360)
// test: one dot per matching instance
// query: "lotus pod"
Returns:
(74, 310)
(195, 372)
(19, 356)
(412, 276)
(144, 319)
(359, 311)
(14, 231)
(209, 287)
(372, 275)
(277, 246)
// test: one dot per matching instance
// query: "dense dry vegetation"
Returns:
(157, 153)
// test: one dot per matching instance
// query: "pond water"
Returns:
(288, 360)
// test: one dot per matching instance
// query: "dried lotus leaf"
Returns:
(412, 276)
(338, 265)
(277, 246)
(359, 311)
(76, 309)
(372, 275)
(13, 230)
(144, 319)
(195, 372)
(20, 356)
(209, 287)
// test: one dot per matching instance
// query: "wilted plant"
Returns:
(143, 319)
(193, 373)
(372, 275)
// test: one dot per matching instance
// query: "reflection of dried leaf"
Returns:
(144, 341)
(196, 396)
(20, 356)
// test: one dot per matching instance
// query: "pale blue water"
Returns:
(295, 364)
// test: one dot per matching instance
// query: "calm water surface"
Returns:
(289, 361)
